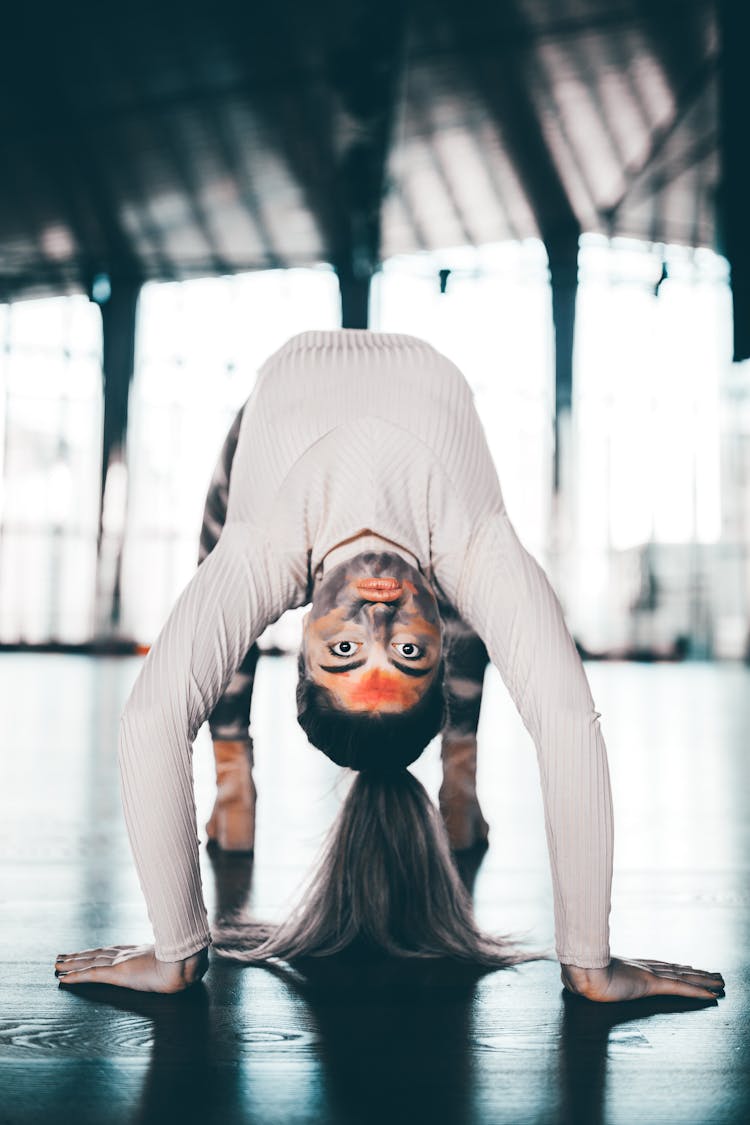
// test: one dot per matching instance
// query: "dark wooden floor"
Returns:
(249, 1046)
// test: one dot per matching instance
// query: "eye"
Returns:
(408, 650)
(343, 648)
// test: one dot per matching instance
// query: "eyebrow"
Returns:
(405, 668)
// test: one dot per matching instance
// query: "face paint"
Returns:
(376, 603)
(378, 688)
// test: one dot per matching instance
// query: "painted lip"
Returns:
(380, 589)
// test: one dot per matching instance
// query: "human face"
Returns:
(373, 637)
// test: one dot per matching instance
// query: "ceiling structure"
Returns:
(169, 139)
(172, 140)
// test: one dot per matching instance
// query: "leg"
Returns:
(232, 821)
(466, 661)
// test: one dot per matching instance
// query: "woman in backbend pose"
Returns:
(362, 484)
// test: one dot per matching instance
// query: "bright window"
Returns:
(647, 376)
(50, 422)
(199, 346)
(653, 339)
(494, 322)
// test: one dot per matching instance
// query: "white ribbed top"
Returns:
(349, 431)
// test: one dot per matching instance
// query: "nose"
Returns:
(380, 612)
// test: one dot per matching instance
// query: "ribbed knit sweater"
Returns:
(349, 431)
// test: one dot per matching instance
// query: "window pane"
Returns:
(494, 322)
(200, 344)
(52, 417)
(653, 335)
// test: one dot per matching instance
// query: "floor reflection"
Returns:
(385, 1043)
(233, 881)
(589, 1034)
(339, 1046)
(394, 1040)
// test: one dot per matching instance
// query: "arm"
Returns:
(227, 604)
(231, 598)
(505, 595)
(507, 598)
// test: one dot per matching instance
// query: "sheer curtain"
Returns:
(653, 338)
(494, 321)
(660, 440)
(50, 462)
(199, 346)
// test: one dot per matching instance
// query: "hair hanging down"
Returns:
(386, 884)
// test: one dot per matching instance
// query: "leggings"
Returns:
(466, 657)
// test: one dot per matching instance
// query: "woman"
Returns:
(351, 433)
(231, 826)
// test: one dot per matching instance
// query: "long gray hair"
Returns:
(386, 884)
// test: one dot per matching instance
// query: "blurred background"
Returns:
(555, 194)
(552, 192)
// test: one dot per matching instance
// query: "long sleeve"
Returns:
(505, 595)
(233, 595)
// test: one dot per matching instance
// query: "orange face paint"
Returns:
(378, 687)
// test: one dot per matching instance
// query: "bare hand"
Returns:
(634, 980)
(131, 966)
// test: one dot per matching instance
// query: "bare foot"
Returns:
(232, 821)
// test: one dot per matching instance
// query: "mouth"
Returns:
(379, 589)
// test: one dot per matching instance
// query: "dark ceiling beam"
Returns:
(296, 116)
(18, 197)
(215, 116)
(111, 63)
(504, 88)
(119, 313)
(509, 35)
(95, 146)
(185, 167)
(165, 129)
(335, 135)
(667, 172)
(502, 82)
(69, 162)
(366, 72)
(734, 192)
(635, 175)
(275, 72)
(227, 146)
(128, 173)
(420, 111)
(679, 35)
(72, 205)
(187, 41)
(118, 362)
